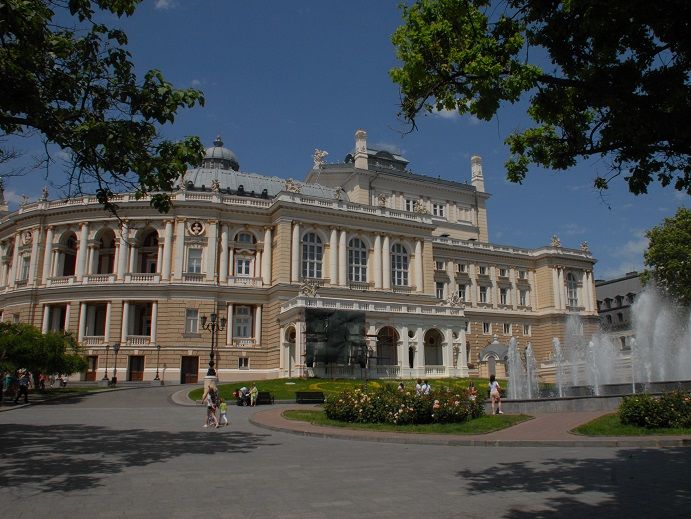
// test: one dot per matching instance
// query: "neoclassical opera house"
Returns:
(363, 269)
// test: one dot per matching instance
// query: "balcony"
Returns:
(93, 340)
(244, 281)
(360, 285)
(142, 277)
(59, 281)
(99, 279)
(138, 340)
(193, 277)
(402, 289)
(244, 343)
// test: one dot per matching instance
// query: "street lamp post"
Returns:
(105, 371)
(214, 326)
(116, 349)
(158, 356)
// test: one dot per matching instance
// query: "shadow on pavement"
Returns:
(635, 483)
(66, 458)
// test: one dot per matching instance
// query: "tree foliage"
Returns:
(76, 86)
(24, 347)
(608, 79)
(669, 256)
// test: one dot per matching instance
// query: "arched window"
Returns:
(312, 251)
(357, 260)
(572, 289)
(244, 237)
(399, 265)
(69, 257)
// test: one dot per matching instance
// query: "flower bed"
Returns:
(668, 411)
(389, 405)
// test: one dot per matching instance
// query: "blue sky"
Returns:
(283, 78)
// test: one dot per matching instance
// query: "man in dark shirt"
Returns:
(24, 383)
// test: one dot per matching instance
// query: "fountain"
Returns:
(523, 379)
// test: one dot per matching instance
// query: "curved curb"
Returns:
(459, 441)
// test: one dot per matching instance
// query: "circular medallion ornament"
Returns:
(196, 228)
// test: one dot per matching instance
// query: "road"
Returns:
(134, 453)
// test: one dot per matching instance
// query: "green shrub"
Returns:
(388, 405)
(670, 410)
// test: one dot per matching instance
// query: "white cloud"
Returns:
(619, 270)
(11, 197)
(571, 229)
(196, 83)
(165, 4)
(64, 155)
(446, 114)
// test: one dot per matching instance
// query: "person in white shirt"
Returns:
(495, 394)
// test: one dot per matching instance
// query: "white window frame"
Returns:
(507, 328)
(24, 268)
(483, 294)
(192, 266)
(523, 297)
(462, 292)
(526, 330)
(461, 267)
(242, 322)
(503, 272)
(439, 289)
(192, 320)
(399, 265)
(482, 270)
(487, 328)
(357, 260)
(409, 205)
(244, 266)
(312, 255)
(571, 289)
(504, 296)
(439, 265)
(243, 363)
(438, 209)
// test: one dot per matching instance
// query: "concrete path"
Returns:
(132, 454)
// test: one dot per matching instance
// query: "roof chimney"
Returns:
(361, 149)
(477, 179)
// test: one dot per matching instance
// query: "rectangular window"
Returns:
(503, 295)
(526, 329)
(440, 289)
(438, 210)
(483, 270)
(483, 294)
(461, 267)
(15, 318)
(503, 272)
(486, 328)
(243, 322)
(194, 261)
(243, 267)
(439, 265)
(24, 272)
(522, 274)
(466, 327)
(507, 328)
(244, 363)
(409, 205)
(461, 292)
(523, 297)
(192, 320)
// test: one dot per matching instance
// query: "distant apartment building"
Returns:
(614, 300)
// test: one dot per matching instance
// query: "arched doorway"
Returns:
(104, 253)
(433, 348)
(387, 346)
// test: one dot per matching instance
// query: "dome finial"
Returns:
(218, 142)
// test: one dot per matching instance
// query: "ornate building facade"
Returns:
(408, 252)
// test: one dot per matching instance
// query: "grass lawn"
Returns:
(609, 425)
(285, 388)
(482, 425)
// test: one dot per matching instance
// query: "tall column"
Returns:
(494, 289)
(81, 252)
(555, 289)
(587, 297)
(167, 250)
(125, 329)
(229, 324)
(258, 264)
(82, 322)
(258, 325)
(109, 312)
(46, 319)
(419, 266)
(68, 308)
(420, 353)
(447, 349)
(451, 272)
(15, 261)
(91, 253)
(179, 249)
(124, 249)
(562, 288)
(231, 261)
(403, 359)
(472, 270)
(211, 246)
(134, 256)
(33, 261)
(342, 259)
(295, 254)
(223, 262)
(154, 322)
(333, 256)
(266, 257)
(377, 262)
(159, 256)
(386, 263)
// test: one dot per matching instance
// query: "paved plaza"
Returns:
(139, 453)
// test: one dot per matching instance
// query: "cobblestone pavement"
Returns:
(137, 454)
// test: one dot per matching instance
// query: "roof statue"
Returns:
(556, 242)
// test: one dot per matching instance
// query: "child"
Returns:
(223, 408)
(472, 391)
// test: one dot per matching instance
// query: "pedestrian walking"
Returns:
(253, 394)
(24, 383)
(211, 399)
(495, 395)
(223, 409)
